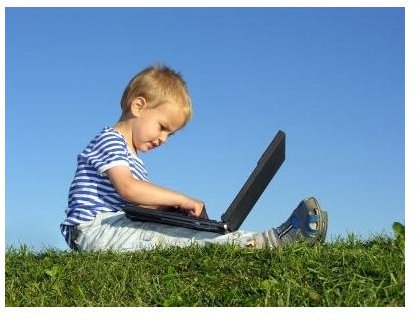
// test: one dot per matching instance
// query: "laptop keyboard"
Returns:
(181, 215)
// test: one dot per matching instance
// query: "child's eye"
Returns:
(166, 129)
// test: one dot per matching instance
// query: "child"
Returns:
(109, 175)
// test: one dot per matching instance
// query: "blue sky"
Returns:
(331, 78)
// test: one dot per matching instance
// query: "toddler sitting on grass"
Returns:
(110, 175)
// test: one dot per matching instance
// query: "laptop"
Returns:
(241, 205)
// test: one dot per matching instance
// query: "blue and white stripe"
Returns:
(91, 192)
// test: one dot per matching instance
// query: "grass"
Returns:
(345, 272)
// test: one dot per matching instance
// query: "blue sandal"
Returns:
(308, 221)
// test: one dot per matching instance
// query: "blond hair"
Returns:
(158, 84)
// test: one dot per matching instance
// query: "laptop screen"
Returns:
(266, 168)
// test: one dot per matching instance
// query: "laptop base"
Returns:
(172, 218)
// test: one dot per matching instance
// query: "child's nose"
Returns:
(163, 137)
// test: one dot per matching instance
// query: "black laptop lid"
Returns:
(266, 168)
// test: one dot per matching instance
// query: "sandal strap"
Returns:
(313, 218)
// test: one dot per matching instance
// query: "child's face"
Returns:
(152, 126)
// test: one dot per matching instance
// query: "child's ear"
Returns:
(137, 105)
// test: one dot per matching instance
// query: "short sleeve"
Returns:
(107, 151)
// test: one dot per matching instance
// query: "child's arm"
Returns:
(148, 194)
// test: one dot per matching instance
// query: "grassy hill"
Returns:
(345, 272)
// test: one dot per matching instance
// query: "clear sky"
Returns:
(331, 78)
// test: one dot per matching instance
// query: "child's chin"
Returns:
(144, 149)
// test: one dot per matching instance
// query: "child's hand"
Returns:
(193, 207)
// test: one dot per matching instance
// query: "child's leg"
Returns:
(116, 231)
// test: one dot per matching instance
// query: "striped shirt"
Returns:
(91, 191)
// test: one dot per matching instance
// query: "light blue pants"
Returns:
(113, 230)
